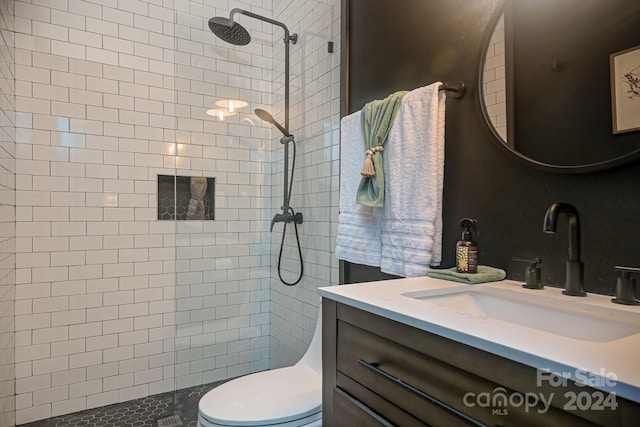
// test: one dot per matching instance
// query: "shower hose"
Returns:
(290, 210)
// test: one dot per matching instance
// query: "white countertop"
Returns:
(612, 366)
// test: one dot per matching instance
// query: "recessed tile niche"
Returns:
(186, 198)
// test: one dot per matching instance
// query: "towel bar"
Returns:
(456, 88)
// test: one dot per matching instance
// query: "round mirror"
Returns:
(559, 77)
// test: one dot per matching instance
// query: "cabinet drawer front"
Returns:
(383, 407)
(405, 371)
(350, 412)
(358, 348)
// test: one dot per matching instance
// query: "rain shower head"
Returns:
(232, 32)
(267, 117)
(229, 30)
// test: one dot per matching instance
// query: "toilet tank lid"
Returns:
(264, 398)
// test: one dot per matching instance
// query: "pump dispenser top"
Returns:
(467, 224)
(466, 248)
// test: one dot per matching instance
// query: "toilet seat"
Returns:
(263, 399)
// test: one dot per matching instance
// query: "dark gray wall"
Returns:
(399, 45)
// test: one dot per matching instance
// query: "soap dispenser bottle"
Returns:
(467, 249)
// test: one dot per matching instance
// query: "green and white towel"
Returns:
(377, 118)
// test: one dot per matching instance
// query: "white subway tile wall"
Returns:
(495, 89)
(112, 304)
(95, 272)
(7, 215)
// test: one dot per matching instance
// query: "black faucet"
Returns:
(574, 280)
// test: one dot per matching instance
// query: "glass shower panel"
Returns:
(7, 217)
(222, 266)
(315, 82)
(232, 315)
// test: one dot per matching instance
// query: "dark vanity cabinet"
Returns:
(379, 372)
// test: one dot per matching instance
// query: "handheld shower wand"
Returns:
(285, 216)
(232, 32)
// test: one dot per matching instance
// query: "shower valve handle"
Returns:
(286, 218)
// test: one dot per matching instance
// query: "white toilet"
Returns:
(284, 397)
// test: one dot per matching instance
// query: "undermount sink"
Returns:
(564, 317)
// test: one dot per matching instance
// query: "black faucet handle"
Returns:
(533, 262)
(626, 286)
(627, 270)
(277, 218)
(531, 273)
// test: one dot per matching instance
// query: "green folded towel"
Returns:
(377, 118)
(484, 274)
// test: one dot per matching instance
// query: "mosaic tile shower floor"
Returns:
(145, 412)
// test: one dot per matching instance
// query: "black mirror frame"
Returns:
(486, 122)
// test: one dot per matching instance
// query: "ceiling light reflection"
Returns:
(231, 105)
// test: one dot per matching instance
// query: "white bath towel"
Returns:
(359, 227)
(414, 174)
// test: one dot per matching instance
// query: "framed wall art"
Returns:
(625, 90)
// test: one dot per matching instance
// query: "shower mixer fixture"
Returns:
(288, 215)
(231, 32)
